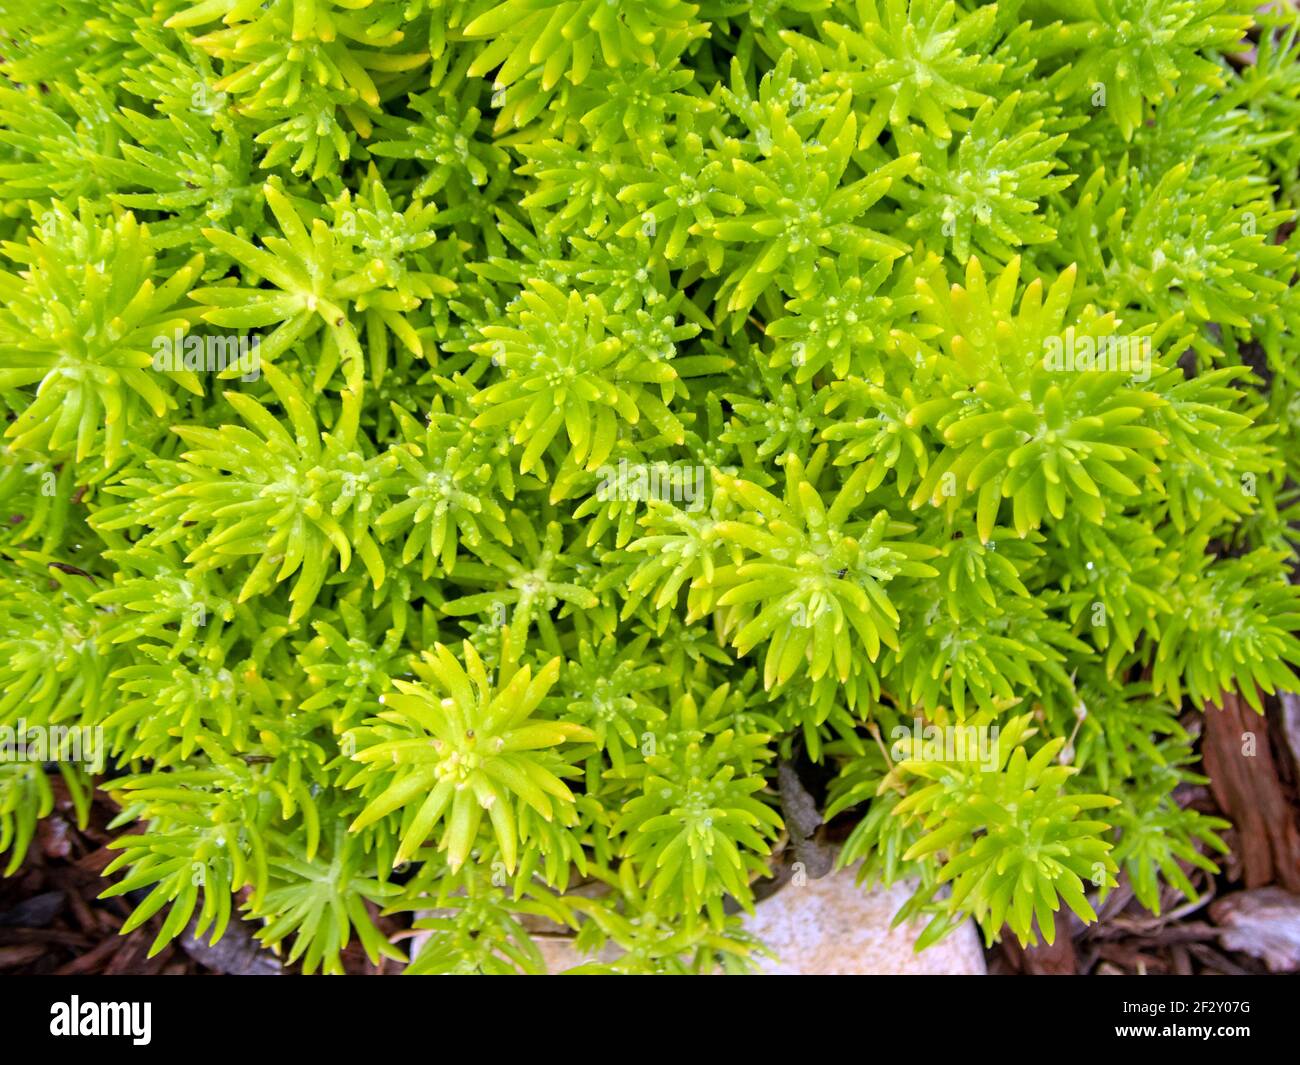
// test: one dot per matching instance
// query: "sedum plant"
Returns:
(461, 461)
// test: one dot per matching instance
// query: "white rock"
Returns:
(833, 927)
(1264, 923)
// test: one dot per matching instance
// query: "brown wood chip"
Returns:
(1264, 924)
(20, 954)
(1239, 762)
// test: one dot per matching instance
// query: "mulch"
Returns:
(1253, 764)
(53, 923)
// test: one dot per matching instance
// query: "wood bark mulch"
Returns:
(1253, 763)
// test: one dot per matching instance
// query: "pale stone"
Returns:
(824, 927)
(1264, 923)
(833, 927)
(559, 955)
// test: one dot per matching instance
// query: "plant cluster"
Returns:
(643, 396)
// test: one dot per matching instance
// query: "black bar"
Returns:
(395, 1014)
